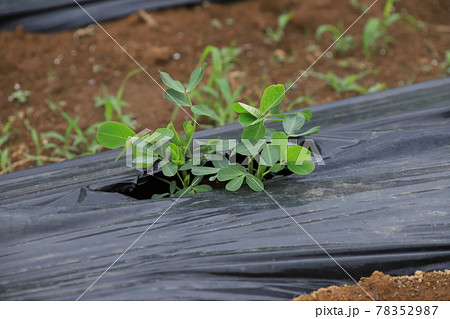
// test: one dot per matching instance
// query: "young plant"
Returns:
(38, 158)
(275, 36)
(262, 151)
(358, 5)
(54, 104)
(113, 105)
(5, 162)
(348, 83)
(376, 30)
(344, 44)
(445, 66)
(306, 99)
(166, 145)
(74, 142)
(20, 96)
(217, 96)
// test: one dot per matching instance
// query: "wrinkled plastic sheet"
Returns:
(381, 202)
(57, 15)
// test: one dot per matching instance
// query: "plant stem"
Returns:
(250, 164)
(265, 173)
(162, 180)
(188, 146)
(260, 171)
(181, 179)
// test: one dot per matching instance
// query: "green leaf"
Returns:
(202, 188)
(202, 170)
(177, 139)
(224, 87)
(307, 114)
(235, 183)
(279, 136)
(247, 147)
(247, 119)
(269, 132)
(388, 7)
(324, 28)
(228, 173)
(270, 155)
(254, 132)
(222, 162)
(197, 180)
(277, 167)
(186, 166)
(169, 169)
(284, 19)
(184, 191)
(177, 98)
(189, 130)
(203, 110)
(177, 154)
(293, 122)
(53, 134)
(240, 168)
(279, 139)
(113, 134)
(157, 196)
(159, 134)
(254, 183)
(371, 34)
(298, 154)
(306, 168)
(172, 187)
(314, 130)
(272, 96)
(196, 77)
(171, 83)
(240, 107)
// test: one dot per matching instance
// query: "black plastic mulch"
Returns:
(381, 202)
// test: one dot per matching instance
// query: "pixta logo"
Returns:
(151, 154)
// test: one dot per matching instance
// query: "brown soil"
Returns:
(70, 66)
(421, 286)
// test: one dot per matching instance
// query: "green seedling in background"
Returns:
(345, 43)
(54, 104)
(5, 162)
(184, 176)
(376, 30)
(217, 96)
(75, 141)
(38, 158)
(306, 99)
(348, 83)
(445, 66)
(20, 96)
(113, 105)
(276, 35)
(358, 5)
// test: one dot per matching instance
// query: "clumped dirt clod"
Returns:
(420, 286)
